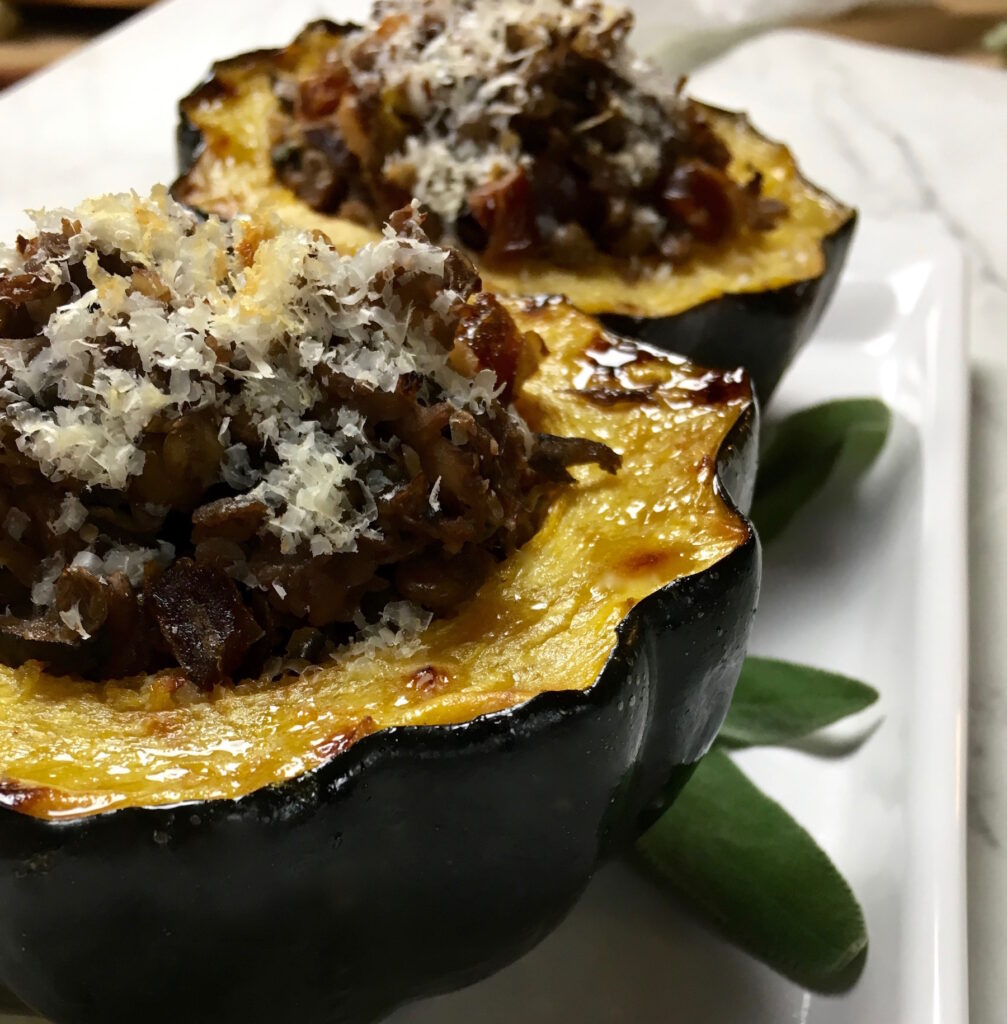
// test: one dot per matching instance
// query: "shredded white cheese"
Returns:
(400, 626)
(43, 591)
(236, 320)
(71, 618)
(464, 68)
(130, 559)
(72, 514)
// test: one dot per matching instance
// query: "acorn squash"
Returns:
(399, 821)
(752, 299)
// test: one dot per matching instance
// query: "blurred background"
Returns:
(34, 33)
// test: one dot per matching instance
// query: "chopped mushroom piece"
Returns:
(203, 620)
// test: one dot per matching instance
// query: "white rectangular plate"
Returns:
(870, 583)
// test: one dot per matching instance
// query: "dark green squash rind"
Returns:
(416, 862)
(760, 330)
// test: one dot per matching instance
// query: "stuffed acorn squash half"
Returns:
(536, 140)
(353, 615)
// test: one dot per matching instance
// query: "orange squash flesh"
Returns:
(544, 620)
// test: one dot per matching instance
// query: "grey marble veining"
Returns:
(893, 134)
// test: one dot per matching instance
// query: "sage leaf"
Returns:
(835, 441)
(779, 701)
(738, 859)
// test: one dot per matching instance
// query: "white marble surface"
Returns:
(893, 133)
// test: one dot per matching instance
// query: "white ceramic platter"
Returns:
(871, 583)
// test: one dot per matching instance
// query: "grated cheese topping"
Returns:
(461, 69)
(236, 321)
(71, 618)
(400, 625)
(72, 515)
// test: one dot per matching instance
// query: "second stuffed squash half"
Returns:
(537, 140)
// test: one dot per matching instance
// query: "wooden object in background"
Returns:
(108, 5)
(949, 28)
(30, 52)
(46, 30)
(50, 29)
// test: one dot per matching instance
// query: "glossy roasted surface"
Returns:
(545, 620)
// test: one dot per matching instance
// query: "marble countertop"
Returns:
(894, 133)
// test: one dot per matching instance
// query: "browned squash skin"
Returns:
(753, 301)
(413, 859)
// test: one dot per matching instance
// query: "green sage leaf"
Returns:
(738, 859)
(779, 701)
(835, 441)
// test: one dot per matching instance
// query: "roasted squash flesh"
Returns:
(231, 172)
(544, 620)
